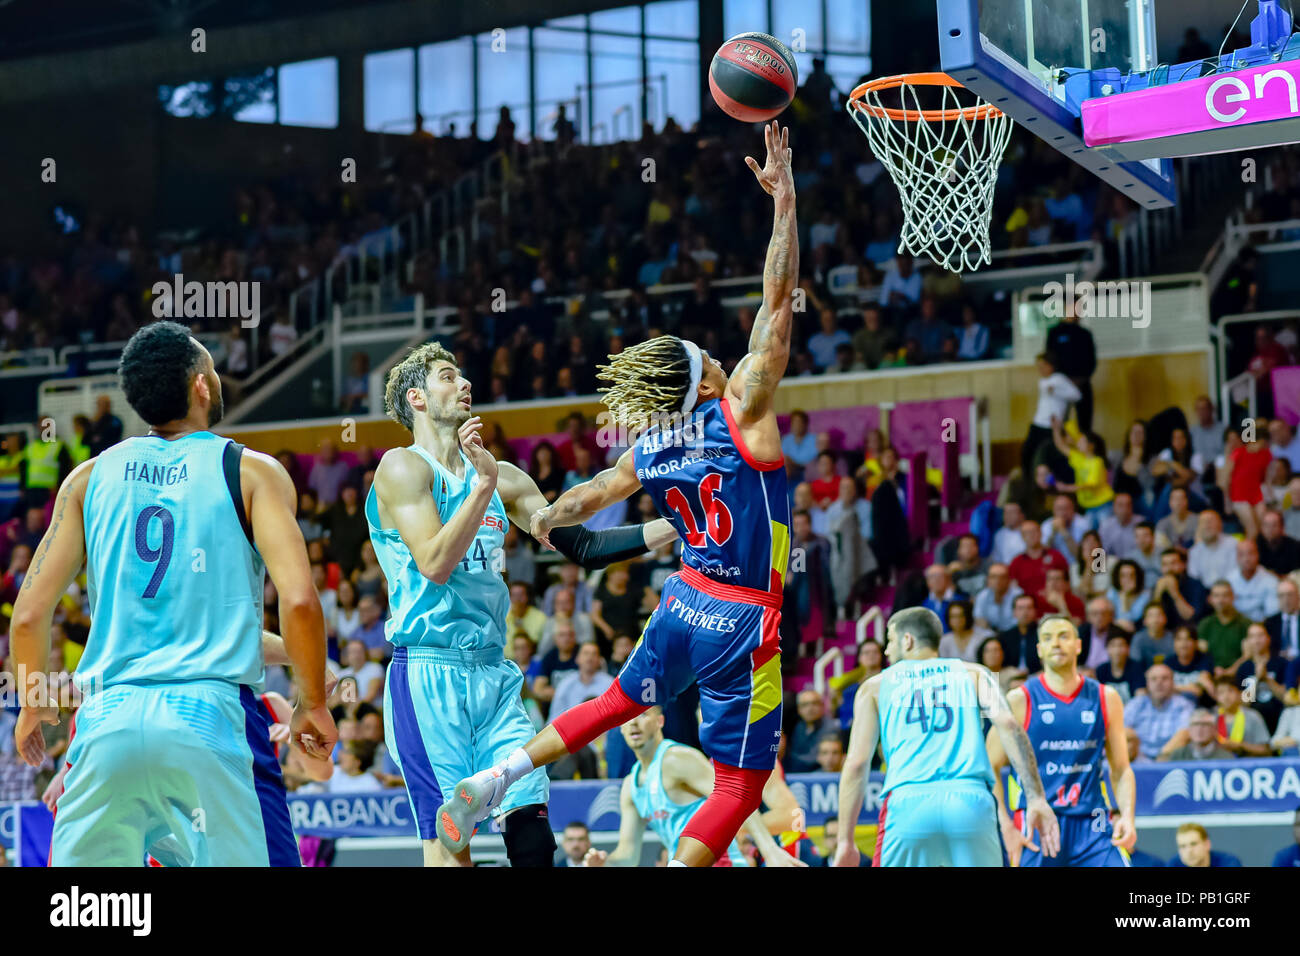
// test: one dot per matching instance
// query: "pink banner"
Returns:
(1259, 94)
(1286, 394)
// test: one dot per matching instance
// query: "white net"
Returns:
(945, 165)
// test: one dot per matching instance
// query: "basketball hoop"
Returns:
(944, 162)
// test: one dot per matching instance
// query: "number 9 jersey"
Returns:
(174, 581)
(731, 510)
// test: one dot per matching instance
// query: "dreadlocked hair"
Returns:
(649, 379)
(411, 372)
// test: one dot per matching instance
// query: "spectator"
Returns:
(848, 523)
(1159, 713)
(1055, 393)
(1088, 460)
(1119, 531)
(845, 361)
(575, 841)
(973, 343)
(623, 646)
(1290, 856)
(546, 470)
(565, 610)
(1221, 633)
(350, 773)
(1267, 671)
(830, 754)
(929, 331)
(825, 342)
(616, 607)
(825, 487)
(1245, 470)
(1029, 569)
(798, 445)
(870, 661)
(1278, 552)
(309, 516)
(1129, 596)
(1008, 542)
(1206, 433)
(1154, 644)
(1180, 525)
(282, 335)
(1120, 671)
(1286, 740)
(994, 603)
(520, 562)
(808, 592)
(873, 343)
(992, 656)
(347, 611)
(1057, 598)
(556, 662)
(1065, 528)
(1020, 641)
(348, 531)
(570, 580)
(902, 286)
(1201, 742)
(963, 639)
(1285, 444)
(356, 386)
(589, 680)
(940, 592)
(1147, 553)
(523, 615)
(1078, 360)
(1194, 849)
(368, 675)
(106, 430)
(1239, 728)
(1175, 468)
(1132, 475)
(371, 629)
(969, 570)
(1214, 555)
(1182, 596)
(1090, 574)
(1193, 669)
(1254, 589)
(1284, 626)
(813, 725)
(1096, 634)
(328, 474)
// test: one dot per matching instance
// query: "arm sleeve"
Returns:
(596, 549)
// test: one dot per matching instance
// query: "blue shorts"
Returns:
(1082, 844)
(726, 638)
(449, 714)
(185, 773)
(946, 823)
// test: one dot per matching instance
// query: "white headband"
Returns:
(697, 368)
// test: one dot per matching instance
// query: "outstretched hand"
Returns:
(775, 176)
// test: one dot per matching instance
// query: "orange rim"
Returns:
(981, 111)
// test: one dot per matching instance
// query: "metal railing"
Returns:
(1151, 232)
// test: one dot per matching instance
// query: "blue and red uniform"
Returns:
(718, 618)
(1069, 738)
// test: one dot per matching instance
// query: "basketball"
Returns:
(753, 77)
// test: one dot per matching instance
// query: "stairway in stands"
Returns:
(845, 631)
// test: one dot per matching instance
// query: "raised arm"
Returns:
(580, 502)
(402, 484)
(58, 558)
(272, 503)
(1020, 752)
(758, 374)
(863, 738)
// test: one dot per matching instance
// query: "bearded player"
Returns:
(437, 514)
(1071, 721)
(710, 456)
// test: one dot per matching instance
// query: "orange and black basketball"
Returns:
(753, 77)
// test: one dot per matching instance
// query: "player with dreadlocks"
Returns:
(710, 457)
(437, 515)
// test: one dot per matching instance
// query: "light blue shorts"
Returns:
(948, 823)
(185, 773)
(449, 714)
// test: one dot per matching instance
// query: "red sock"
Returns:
(581, 725)
(736, 794)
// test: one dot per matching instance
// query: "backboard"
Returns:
(1039, 60)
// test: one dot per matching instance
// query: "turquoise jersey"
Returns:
(667, 818)
(175, 585)
(931, 729)
(469, 611)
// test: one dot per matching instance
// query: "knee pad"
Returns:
(528, 837)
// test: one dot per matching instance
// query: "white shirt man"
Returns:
(908, 287)
(1055, 393)
(1254, 588)
(1008, 542)
(1214, 555)
(994, 610)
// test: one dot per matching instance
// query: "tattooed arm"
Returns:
(582, 501)
(59, 557)
(1020, 753)
(756, 377)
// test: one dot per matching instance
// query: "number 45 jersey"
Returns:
(931, 729)
(174, 581)
(731, 510)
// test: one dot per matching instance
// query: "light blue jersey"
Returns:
(175, 584)
(930, 724)
(666, 817)
(469, 611)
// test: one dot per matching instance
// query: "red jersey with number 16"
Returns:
(731, 510)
